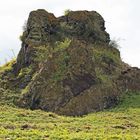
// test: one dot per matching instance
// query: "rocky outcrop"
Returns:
(37, 32)
(84, 25)
(43, 27)
(129, 79)
(74, 69)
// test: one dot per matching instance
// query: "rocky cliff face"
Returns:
(43, 28)
(68, 65)
(37, 32)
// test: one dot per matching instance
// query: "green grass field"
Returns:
(120, 123)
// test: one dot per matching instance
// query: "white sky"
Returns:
(122, 21)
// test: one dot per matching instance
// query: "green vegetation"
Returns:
(7, 66)
(25, 71)
(114, 43)
(60, 46)
(62, 60)
(41, 53)
(121, 123)
(62, 67)
(7, 96)
(108, 63)
(102, 53)
(66, 12)
(6, 74)
(44, 52)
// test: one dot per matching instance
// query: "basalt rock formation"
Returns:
(69, 66)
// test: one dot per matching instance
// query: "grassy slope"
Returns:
(121, 123)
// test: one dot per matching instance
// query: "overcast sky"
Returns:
(122, 22)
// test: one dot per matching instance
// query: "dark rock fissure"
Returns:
(80, 83)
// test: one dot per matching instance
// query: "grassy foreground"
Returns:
(121, 123)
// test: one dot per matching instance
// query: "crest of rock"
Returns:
(68, 66)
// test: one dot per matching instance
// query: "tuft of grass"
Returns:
(7, 66)
(60, 46)
(114, 43)
(66, 12)
(24, 71)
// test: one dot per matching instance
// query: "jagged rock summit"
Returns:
(69, 66)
